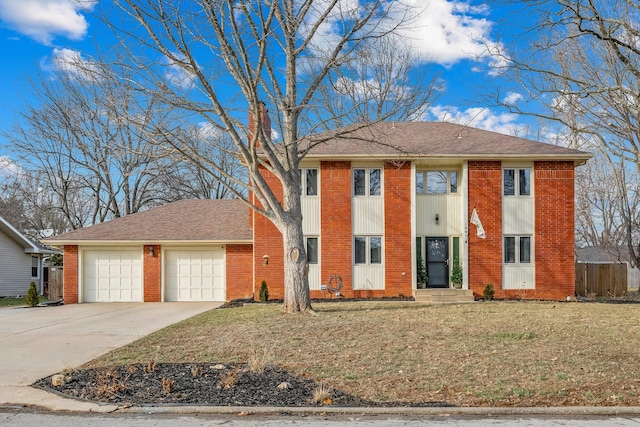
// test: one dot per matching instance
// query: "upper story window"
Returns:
(516, 182)
(367, 182)
(436, 182)
(309, 182)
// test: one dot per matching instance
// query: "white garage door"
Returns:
(112, 276)
(194, 275)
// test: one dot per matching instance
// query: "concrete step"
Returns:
(444, 295)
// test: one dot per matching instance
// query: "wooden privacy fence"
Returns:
(601, 279)
(53, 283)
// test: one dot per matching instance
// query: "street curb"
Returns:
(406, 411)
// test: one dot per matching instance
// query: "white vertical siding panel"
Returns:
(519, 277)
(15, 268)
(518, 215)
(368, 277)
(310, 215)
(314, 277)
(449, 209)
(368, 215)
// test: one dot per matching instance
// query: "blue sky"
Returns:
(452, 35)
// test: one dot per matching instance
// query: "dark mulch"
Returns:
(199, 384)
(242, 301)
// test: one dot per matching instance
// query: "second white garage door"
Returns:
(194, 275)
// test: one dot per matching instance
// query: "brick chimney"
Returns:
(264, 119)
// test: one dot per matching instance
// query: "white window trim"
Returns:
(517, 250)
(303, 182)
(306, 246)
(37, 266)
(448, 171)
(516, 183)
(368, 250)
(367, 177)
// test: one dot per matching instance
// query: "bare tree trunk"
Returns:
(296, 269)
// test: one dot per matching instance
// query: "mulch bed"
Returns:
(200, 384)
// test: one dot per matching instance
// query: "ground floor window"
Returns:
(367, 250)
(517, 249)
(34, 266)
(312, 250)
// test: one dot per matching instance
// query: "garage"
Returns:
(194, 274)
(112, 275)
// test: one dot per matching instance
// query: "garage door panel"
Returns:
(194, 275)
(112, 275)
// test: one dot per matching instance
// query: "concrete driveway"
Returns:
(37, 342)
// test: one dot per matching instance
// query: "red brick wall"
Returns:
(485, 255)
(554, 230)
(267, 240)
(70, 275)
(335, 225)
(152, 270)
(554, 236)
(239, 271)
(397, 229)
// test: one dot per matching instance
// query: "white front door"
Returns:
(195, 275)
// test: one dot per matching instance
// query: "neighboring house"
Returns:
(374, 205)
(600, 255)
(20, 262)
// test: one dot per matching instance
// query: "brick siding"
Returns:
(239, 272)
(554, 237)
(397, 229)
(152, 270)
(485, 255)
(70, 278)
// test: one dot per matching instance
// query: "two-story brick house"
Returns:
(377, 205)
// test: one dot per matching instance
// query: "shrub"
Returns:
(456, 272)
(264, 291)
(488, 292)
(32, 298)
(421, 273)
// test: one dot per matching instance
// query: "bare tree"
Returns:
(29, 206)
(220, 58)
(581, 63)
(84, 136)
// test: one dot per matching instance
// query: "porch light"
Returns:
(437, 219)
(265, 259)
(150, 250)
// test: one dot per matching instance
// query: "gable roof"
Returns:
(600, 254)
(21, 239)
(183, 221)
(432, 140)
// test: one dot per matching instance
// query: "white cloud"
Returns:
(8, 167)
(440, 31)
(481, 118)
(447, 32)
(177, 75)
(72, 63)
(43, 20)
(512, 98)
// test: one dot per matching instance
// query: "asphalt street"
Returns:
(21, 418)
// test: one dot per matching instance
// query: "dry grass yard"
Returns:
(485, 353)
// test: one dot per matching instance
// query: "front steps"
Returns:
(443, 295)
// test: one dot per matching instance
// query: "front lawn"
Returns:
(15, 302)
(491, 353)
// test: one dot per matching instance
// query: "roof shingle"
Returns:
(432, 139)
(185, 220)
